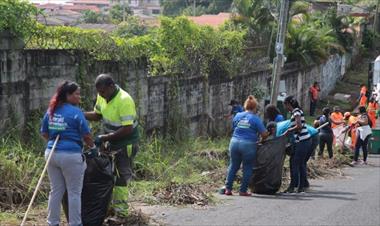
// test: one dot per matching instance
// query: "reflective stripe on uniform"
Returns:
(127, 118)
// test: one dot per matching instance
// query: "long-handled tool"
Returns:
(323, 126)
(39, 181)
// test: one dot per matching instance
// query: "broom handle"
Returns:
(39, 181)
(323, 126)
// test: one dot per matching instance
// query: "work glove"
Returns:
(92, 152)
(98, 142)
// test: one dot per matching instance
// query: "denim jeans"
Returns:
(298, 171)
(241, 151)
(361, 144)
(326, 139)
(66, 172)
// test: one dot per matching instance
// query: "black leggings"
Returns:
(326, 138)
(363, 144)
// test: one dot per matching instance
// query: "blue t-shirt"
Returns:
(279, 118)
(236, 109)
(69, 122)
(322, 120)
(284, 125)
(246, 125)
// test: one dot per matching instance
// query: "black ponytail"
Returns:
(292, 101)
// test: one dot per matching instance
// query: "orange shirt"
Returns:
(336, 116)
(314, 92)
(363, 99)
(363, 90)
(352, 120)
(372, 107)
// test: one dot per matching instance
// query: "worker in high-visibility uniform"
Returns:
(116, 108)
(352, 120)
(363, 98)
(373, 106)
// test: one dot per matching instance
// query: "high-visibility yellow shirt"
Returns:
(119, 111)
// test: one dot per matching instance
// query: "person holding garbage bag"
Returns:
(301, 147)
(116, 108)
(67, 166)
(364, 131)
(246, 128)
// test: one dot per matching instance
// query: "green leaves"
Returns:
(18, 16)
(178, 47)
(311, 39)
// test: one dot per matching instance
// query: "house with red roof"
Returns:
(210, 20)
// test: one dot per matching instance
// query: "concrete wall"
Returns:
(28, 79)
(298, 80)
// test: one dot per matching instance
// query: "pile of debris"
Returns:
(182, 194)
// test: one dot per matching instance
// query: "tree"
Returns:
(91, 17)
(116, 13)
(186, 7)
(255, 14)
(18, 17)
(133, 26)
(308, 42)
(173, 7)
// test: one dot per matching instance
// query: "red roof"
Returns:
(80, 8)
(212, 20)
(90, 2)
(48, 6)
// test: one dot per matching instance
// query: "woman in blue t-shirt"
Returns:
(66, 167)
(246, 128)
(272, 114)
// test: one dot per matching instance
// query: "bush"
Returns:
(18, 16)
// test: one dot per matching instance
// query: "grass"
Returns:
(161, 163)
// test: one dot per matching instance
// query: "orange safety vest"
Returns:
(336, 116)
(363, 99)
(372, 107)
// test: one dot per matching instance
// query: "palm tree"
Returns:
(307, 43)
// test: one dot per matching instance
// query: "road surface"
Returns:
(350, 200)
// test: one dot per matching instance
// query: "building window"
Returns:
(155, 11)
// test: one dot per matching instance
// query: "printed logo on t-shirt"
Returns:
(244, 124)
(57, 122)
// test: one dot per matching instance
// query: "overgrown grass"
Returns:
(161, 163)
(21, 164)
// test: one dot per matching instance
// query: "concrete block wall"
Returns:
(28, 78)
(327, 74)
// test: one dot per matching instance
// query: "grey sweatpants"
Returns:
(66, 172)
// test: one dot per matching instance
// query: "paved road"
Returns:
(352, 200)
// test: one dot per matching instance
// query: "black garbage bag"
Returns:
(267, 170)
(97, 191)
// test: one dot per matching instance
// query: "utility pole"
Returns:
(194, 7)
(279, 60)
(375, 26)
(123, 10)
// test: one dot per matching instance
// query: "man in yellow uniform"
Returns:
(116, 108)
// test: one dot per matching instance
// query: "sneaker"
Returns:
(290, 190)
(301, 190)
(228, 192)
(365, 162)
(354, 162)
(245, 194)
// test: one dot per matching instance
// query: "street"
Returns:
(350, 200)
